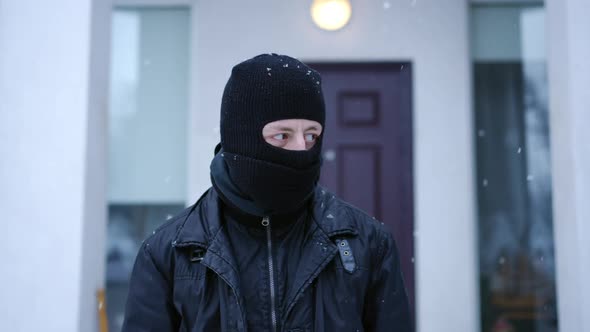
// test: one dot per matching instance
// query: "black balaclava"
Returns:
(268, 179)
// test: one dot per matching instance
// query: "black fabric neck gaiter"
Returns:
(271, 189)
(228, 191)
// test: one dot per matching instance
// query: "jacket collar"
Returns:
(202, 229)
(203, 225)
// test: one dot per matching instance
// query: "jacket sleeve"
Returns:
(149, 303)
(386, 304)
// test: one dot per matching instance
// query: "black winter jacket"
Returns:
(348, 277)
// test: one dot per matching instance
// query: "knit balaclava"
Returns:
(268, 88)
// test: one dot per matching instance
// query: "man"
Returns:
(267, 249)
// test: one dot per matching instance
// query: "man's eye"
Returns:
(310, 137)
(280, 137)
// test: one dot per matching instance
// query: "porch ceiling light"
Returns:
(331, 15)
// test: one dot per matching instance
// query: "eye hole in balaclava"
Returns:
(292, 134)
(262, 90)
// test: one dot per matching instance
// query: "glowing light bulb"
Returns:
(331, 15)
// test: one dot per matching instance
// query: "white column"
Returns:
(51, 164)
(569, 83)
(94, 219)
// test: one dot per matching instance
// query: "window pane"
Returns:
(517, 265)
(147, 147)
(148, 105)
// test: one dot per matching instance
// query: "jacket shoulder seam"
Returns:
(351, 210)
(381, 233)
(153, 261)
(173, 221)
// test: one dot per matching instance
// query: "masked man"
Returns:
(266, 248)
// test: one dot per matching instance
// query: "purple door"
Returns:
(368, 146)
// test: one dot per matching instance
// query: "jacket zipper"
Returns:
(273, 312)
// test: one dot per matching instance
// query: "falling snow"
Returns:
(485, 182)
(519, 150)
(530, 177)
(386, 5)
(481, 133)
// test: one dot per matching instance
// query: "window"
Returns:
(516, 254)
(147, 135)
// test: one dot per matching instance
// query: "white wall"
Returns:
(434, 36)
(50, 195)
(569, 80)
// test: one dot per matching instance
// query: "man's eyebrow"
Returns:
(287, 129)
(313, 127)
(290, 130)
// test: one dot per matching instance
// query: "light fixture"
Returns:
(331, 15)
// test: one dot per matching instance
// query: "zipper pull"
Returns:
(265, 221)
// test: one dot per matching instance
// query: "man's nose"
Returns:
(298, 143)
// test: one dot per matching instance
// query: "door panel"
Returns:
(359, 176)
(368, 145)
